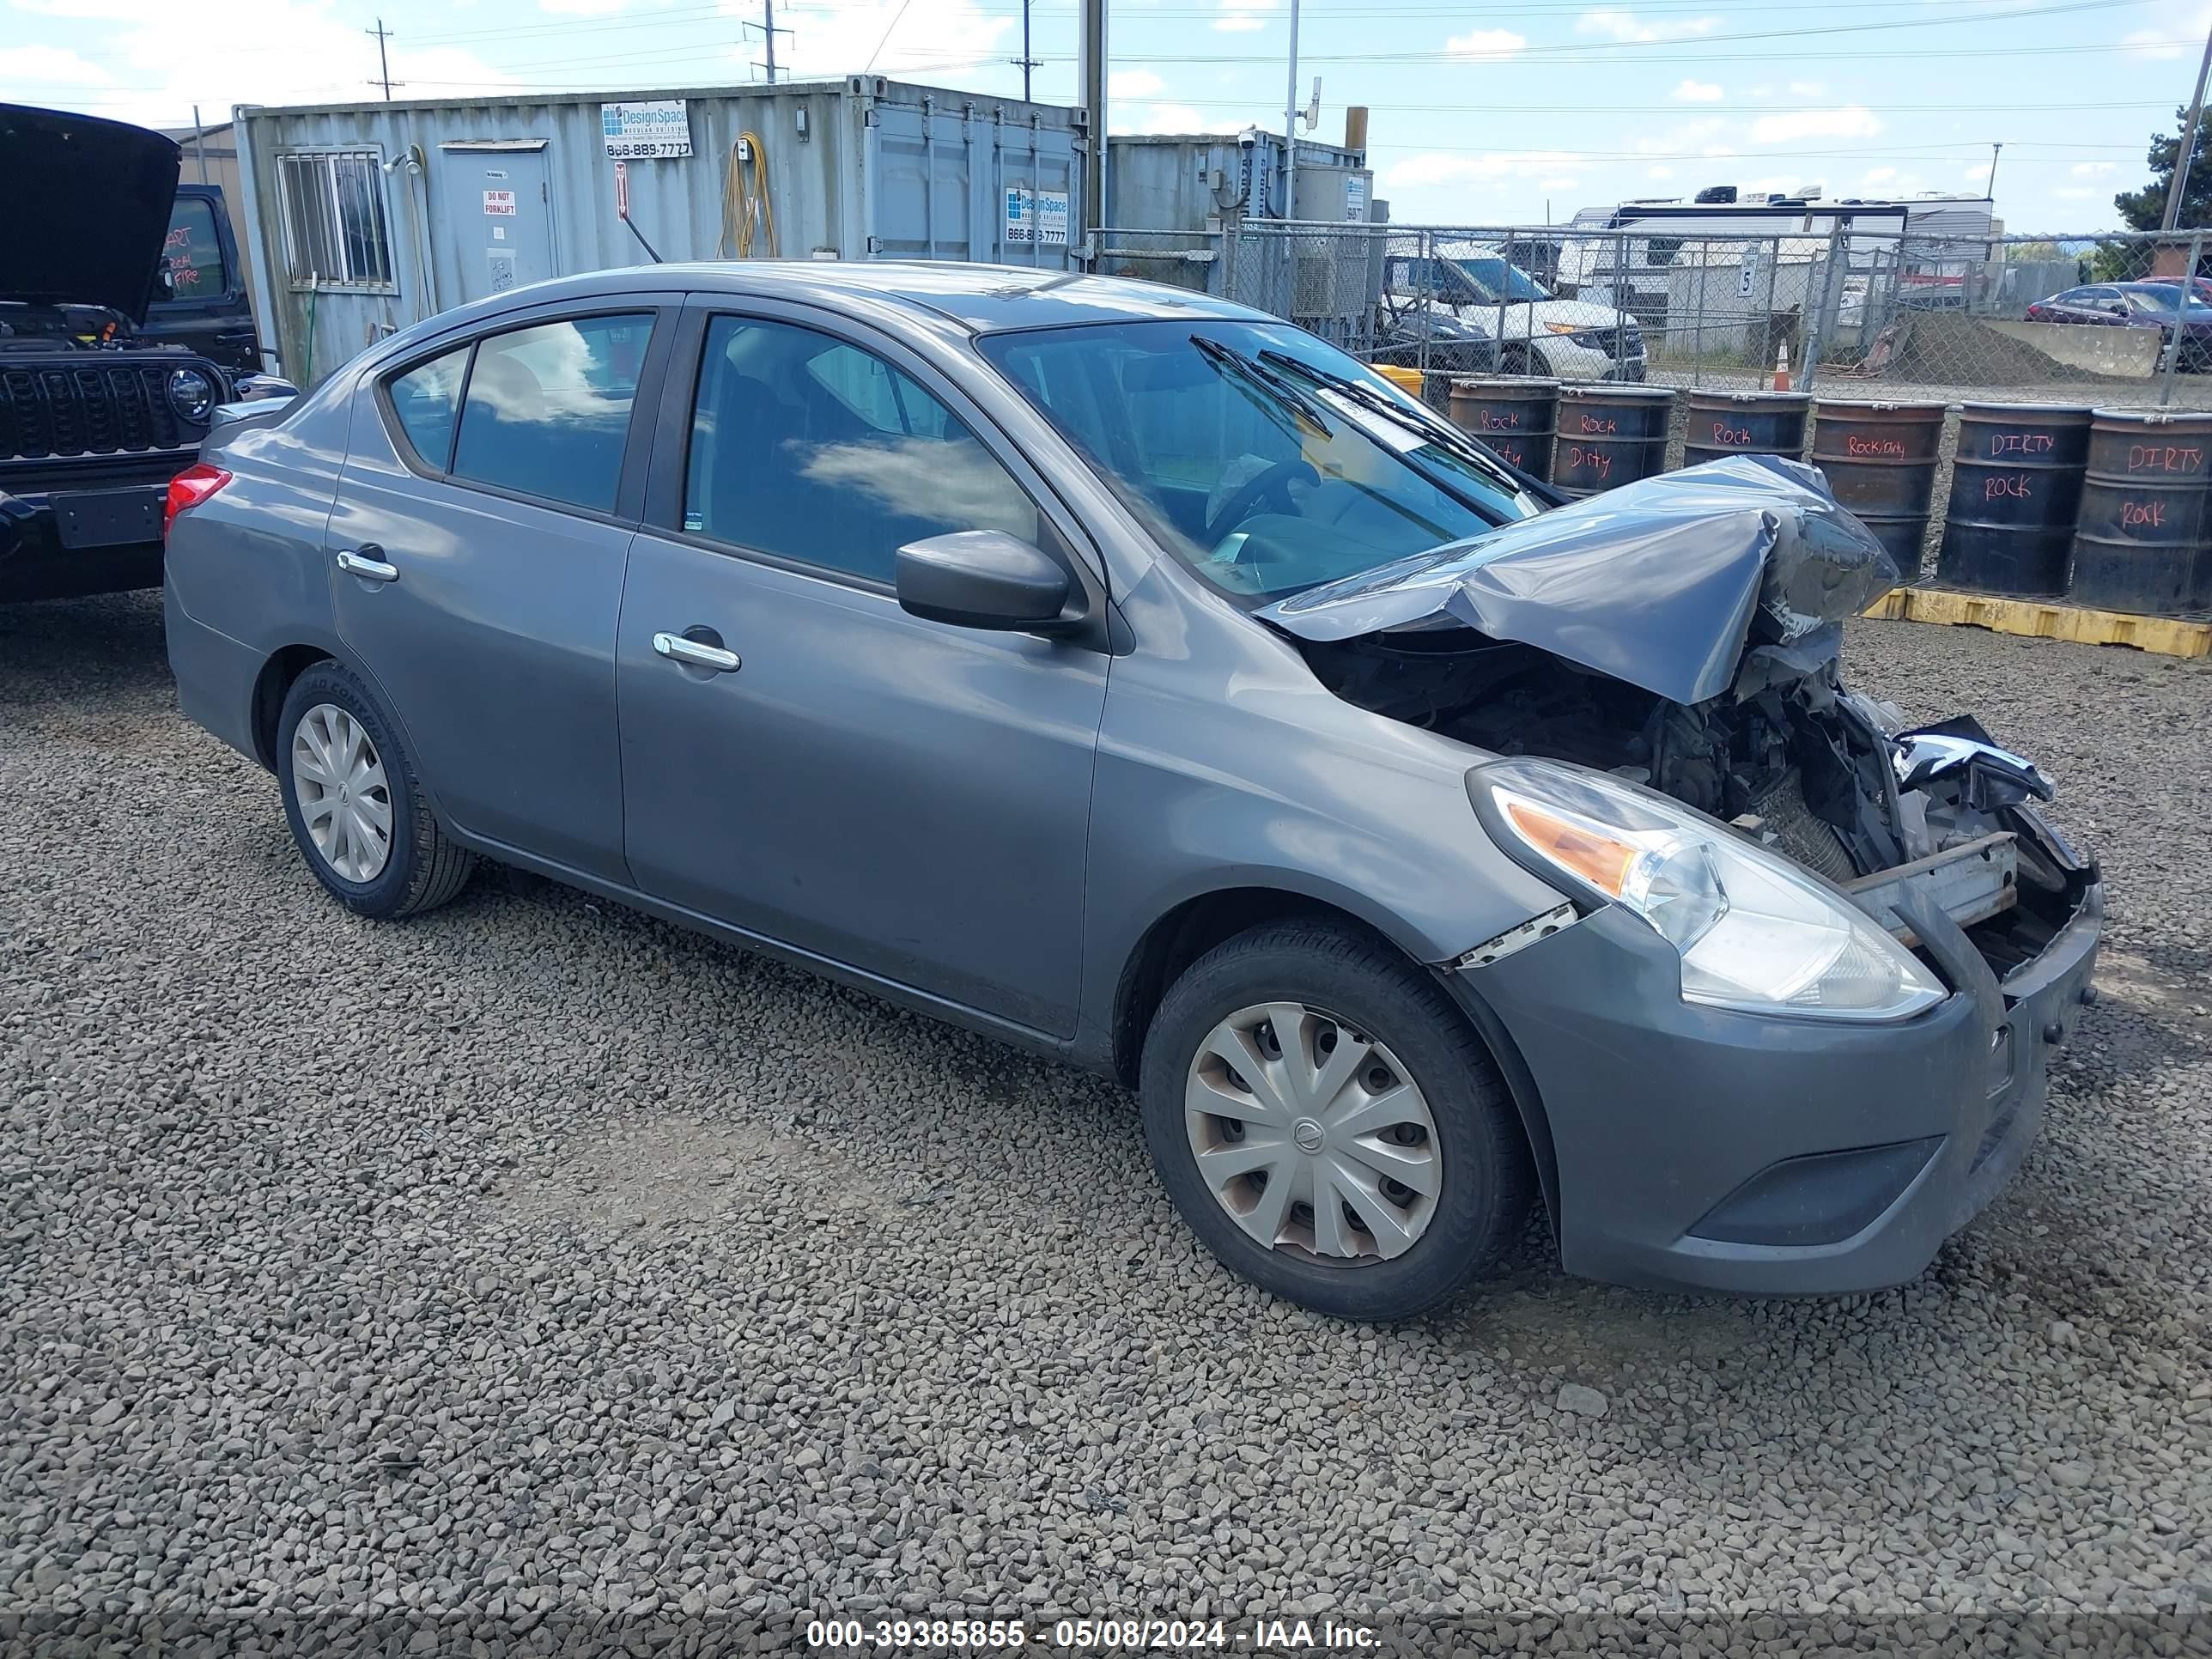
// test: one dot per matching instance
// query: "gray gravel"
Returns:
(537, 1273)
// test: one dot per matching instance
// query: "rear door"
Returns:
(207, 309)
(491, 492)
(902, 796)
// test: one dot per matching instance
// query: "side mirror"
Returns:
(984, 579)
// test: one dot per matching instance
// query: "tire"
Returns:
(1484, 1185)
(421, 868)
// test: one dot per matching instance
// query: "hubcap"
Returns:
(337, 778)
(1312, 1136)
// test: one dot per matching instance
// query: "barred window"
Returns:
(335, 229)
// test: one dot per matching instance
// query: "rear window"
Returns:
(193, 253)
(424, 398)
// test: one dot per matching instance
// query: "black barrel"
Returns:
(1880, 461)
(2146, 514)
(1745, 423)
(1610, 435)
(2015, 489)
(1516, 418)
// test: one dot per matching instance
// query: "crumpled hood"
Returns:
(84, 209)
(1667, 583)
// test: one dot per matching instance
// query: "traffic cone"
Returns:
(1781, 365)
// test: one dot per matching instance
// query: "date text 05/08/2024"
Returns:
(1085, 1635)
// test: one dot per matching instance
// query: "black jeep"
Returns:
(95, 416)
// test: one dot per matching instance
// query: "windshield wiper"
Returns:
(1412, 418)
(1285, 391)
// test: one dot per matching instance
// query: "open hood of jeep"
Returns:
(84, 209)
(1674, 583)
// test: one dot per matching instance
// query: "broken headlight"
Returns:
(1756, 932)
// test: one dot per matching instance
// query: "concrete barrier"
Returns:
(2123, 354)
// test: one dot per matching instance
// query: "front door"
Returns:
(499, 214)
(476, 552)
(902, 796)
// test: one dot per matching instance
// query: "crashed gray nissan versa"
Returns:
(1140, 679)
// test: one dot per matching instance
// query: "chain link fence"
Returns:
(2112, 319)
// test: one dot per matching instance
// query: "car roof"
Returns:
(979, 298)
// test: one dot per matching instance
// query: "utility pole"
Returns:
(383, 63)
(200, 143)
(2188, 155)
(769, 32)
(1026, 62)
(1091, 91)
(1291, 125)
(1991, 192)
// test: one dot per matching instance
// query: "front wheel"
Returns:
(1330, 1126)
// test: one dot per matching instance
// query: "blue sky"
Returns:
(1493, 113)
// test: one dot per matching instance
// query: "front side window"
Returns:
(547, 410)
(425, 398)
(192, 254)
(811, 449)
(1259, 478)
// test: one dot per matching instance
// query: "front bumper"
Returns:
(1699, 1149)
(40, 558)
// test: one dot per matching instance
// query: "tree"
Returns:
(2145, 208)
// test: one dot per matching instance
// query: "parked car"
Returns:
(205, 306)
(95, 416)
(2137, 304)
(1410, 337)
(1536, 333)
(1140, 679)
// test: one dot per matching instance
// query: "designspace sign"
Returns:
(1037, 217)
(657, 130)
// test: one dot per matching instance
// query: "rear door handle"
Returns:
(366, 563)
(677, 649)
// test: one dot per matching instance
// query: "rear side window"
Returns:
(547, 409)
(424, 398)
(192, 253)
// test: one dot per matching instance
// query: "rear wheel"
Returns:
(356, 810)
(1330, 1126)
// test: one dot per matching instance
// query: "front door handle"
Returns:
(677, 649)
(367, 562)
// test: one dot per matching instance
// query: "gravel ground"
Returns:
(537, 1273)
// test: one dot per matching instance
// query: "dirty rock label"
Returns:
(658, 129)
(1036, 217)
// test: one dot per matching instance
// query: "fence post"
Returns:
(1817, 324)
(2181, 319)
(1698, 319)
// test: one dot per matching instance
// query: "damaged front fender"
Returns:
(1665, 584)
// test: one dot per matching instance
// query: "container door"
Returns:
(499, 216)
(950, 185)
(1029, 204)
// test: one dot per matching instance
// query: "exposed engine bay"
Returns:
(1687, 639)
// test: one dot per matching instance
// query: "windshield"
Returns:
(1227, 439)
(1476, 279)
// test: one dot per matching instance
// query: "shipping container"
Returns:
(365, 218)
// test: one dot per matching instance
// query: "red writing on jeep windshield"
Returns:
(2143, 515)
(1873, 446)
(2020, 443)
(2165, 458)
(2015, 487)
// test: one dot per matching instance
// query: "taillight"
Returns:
(189, 489)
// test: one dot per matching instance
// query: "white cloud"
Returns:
(1238, 16)
(1132, 83)
(1432, 168)
(2153, 43)
(1877, 176)
(1625, 27)
(1660, 172)
(1698, 92)
(2073, 193)
(1485, 45)
(56, 63)
(923, 39)
(2089, 169)
(1807, 88)
(1850, 122)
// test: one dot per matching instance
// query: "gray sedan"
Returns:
(1138, 679)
